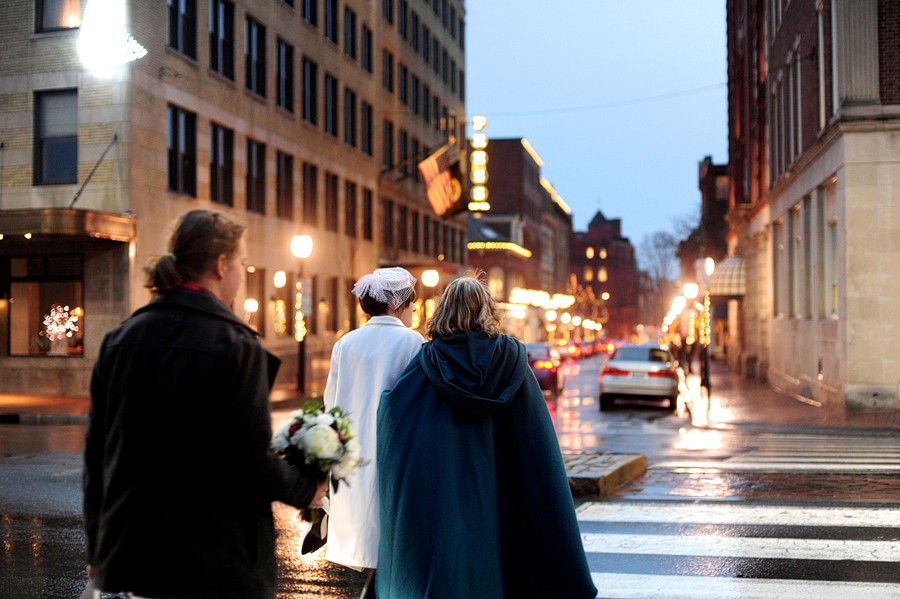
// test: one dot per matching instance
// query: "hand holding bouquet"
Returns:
(321, 439)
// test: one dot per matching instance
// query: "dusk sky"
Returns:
(621, 100)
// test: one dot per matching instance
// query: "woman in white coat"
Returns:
(364, 363)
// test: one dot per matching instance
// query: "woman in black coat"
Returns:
(179, 475)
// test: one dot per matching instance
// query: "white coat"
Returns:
(364, 363)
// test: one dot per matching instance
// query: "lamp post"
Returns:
(301, 248)
(705, 328)
(430, 278)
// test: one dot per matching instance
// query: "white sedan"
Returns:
(636, 371)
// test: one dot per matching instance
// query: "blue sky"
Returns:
(577, 82)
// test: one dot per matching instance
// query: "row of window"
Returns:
(407, 229)
(408, 22)
(407, 84)
(806, 259)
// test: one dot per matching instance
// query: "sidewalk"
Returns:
(736, 402)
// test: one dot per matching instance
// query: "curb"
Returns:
(600, 474)
(48, 419)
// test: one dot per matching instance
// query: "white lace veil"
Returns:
(391, 286)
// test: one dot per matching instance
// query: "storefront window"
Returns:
(45, 314)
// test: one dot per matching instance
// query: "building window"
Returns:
(182, 151)
(45, 311)
(426, 44)
(332, 313)
(284, 173)
(255, 57)
(367, 49)
(388, 148)
(56, 133)
(310, 91)
(310, 197)
(221, 37)
(415, 92)
(495, 284)
(58, 14)
(403, 83)
(368, 215)
(445, 15)
(445, 67)
(256, 290)
(402, 232)
(414, 31)
(350, 208)
(426, 235)
(350, 33)
(426, 103)
(435, 54)
(462, 86)
(436, 112)
(311, 12)
(453, 22)
(387, 223)
(331, 20)
(352, 306)
(387, 65)
(453, 76)
(331, 105)
(795, 265)
(331, 202)
(777, 265)
(462, 34)
(414, 231)
(182, 34)
(387, 9)
(367, 128)
(256, 176)
(588, 274)
(221, 165)
(807, 257)
(403, 149)
(284, 75)
(402, 18)
(602, 274)
(350, 117)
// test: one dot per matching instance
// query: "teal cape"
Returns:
(475, 502)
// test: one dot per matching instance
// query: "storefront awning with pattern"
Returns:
(728, 279)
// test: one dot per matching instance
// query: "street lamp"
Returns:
(301, 248)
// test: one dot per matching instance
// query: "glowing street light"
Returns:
(301, 248)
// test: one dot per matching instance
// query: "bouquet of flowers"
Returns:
(322, 440)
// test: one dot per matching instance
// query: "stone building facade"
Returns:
(296, 116)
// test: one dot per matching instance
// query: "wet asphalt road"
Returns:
(42, 544)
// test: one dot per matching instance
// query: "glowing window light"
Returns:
(280, 317)
(499, 245)
(280, 279)
(251, 305)
(103, 42)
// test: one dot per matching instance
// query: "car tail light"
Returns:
(610, 347)
(669, 374)
(544, 365)
(613, 371)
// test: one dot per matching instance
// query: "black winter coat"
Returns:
(178, 472)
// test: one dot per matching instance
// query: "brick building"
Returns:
(523, 240)
(297, 116)
(814, 115)
(604, 261)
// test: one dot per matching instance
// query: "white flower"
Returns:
(325, 419)
(280, 441)
(296, 414)
(297, 437)
(322, 442)
(345, 468)
(309, 420)
(352, 448)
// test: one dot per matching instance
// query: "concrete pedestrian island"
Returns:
(599, 474)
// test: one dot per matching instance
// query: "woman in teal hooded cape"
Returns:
(475, 503)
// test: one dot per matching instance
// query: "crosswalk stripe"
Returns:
(743, 547)
(746, 514)
(639, 586)
(794, 465)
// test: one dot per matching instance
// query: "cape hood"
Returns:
(476, 375)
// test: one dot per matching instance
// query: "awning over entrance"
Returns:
(728, 278)
(67, 222)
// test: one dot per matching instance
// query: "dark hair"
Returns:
(466, 306)
(372, 307)
(199, 238)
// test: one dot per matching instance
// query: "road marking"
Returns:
(638, 586)
(719, 513)
(737, 465)
(743, 547)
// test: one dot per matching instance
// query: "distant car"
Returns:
(636, 371)
(569, 349)
(587, 348)
(544, 362)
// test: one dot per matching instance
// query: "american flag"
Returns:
(435, 172)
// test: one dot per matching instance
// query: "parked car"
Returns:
(637, 371)
(544, 361)
(587, 348)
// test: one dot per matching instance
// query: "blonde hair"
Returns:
(199, 238)
(466, 306)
